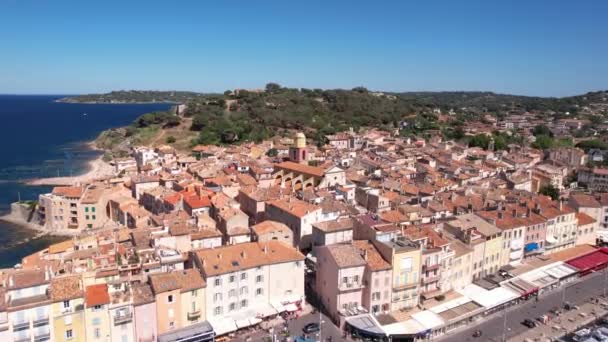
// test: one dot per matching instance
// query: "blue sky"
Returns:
(530, 47)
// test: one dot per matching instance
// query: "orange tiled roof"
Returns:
(97, 295)
(301, 168)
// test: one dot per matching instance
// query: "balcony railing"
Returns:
(41, 321)
(194, 315)
(42, 336)
(123, 318)
(430, 279)
(17, 326)
(350, 286)
(430, 267)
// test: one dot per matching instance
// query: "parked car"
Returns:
(529, 323)
(477, 333)
(311, 328)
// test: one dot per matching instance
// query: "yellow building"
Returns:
(484, 238)
(405, 257)
(67, 309)
(97, 301)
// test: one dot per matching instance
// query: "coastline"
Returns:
(96, 169)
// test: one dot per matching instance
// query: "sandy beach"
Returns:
(97, 169)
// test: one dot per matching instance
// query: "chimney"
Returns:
(219, 256)
(528, 212)
(265, 249)
(243, 254)
(470, 208)
(500, 215)
(514, 212)
(365, 254)
(561, 205)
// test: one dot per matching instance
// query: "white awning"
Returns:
(428, 319)
(551, 239)
(489, 299)
(409, 327)
(242, 323)
(254, 321)
(278, 306)
(291, 307)
(264, 310)
(222, 326)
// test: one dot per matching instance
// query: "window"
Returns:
(259, 292)
(193, 306)
(86, 217)
(170, 299)
(217, 297)
(232, 307)
(97, 333)
(217, 310)
(218, 282)
(86, 209)
(66, 304)
(243, 276)
(194, 293)
(171, 325)
(244, 290)
(93, 217)
(231, 279)
(232, 293)
(259, 279)
(244, 303)
(97, 307)
(93, 209)
(69, 334)
(96, 321)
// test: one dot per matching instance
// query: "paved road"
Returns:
(328, 330)
(492, 327)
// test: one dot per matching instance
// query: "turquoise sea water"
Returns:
(43, 138)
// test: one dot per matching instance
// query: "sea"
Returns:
(40, 137)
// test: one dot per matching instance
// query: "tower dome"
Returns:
(300, 140)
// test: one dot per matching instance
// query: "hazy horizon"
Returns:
(540, 48)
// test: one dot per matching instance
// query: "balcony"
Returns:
(18, 326)
(22, 338)
(194, 315)
(407, 286)
(41, 321)
(350, 286)
(43, 336)
(123, 318)
(431, 279)
(430, 267)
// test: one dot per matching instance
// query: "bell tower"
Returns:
(298, 152)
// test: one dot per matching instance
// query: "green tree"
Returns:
(550, 190)
(542, 130)
(273, 152)
(543, 142)
(273, 88)
(170, 139)
(479, 140)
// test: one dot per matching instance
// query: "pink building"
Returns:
(339, 282)
(144, 305)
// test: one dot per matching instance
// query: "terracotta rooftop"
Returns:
(584, 219)
(142, 294)
(345, 255)
(97, 295)
(68, 191)
(294, 206)
(301, 168)
(335, 225)
(374, 260)
(269, 226)
(65, 288)
(243, 256)
(61, 247)
(26, 278)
